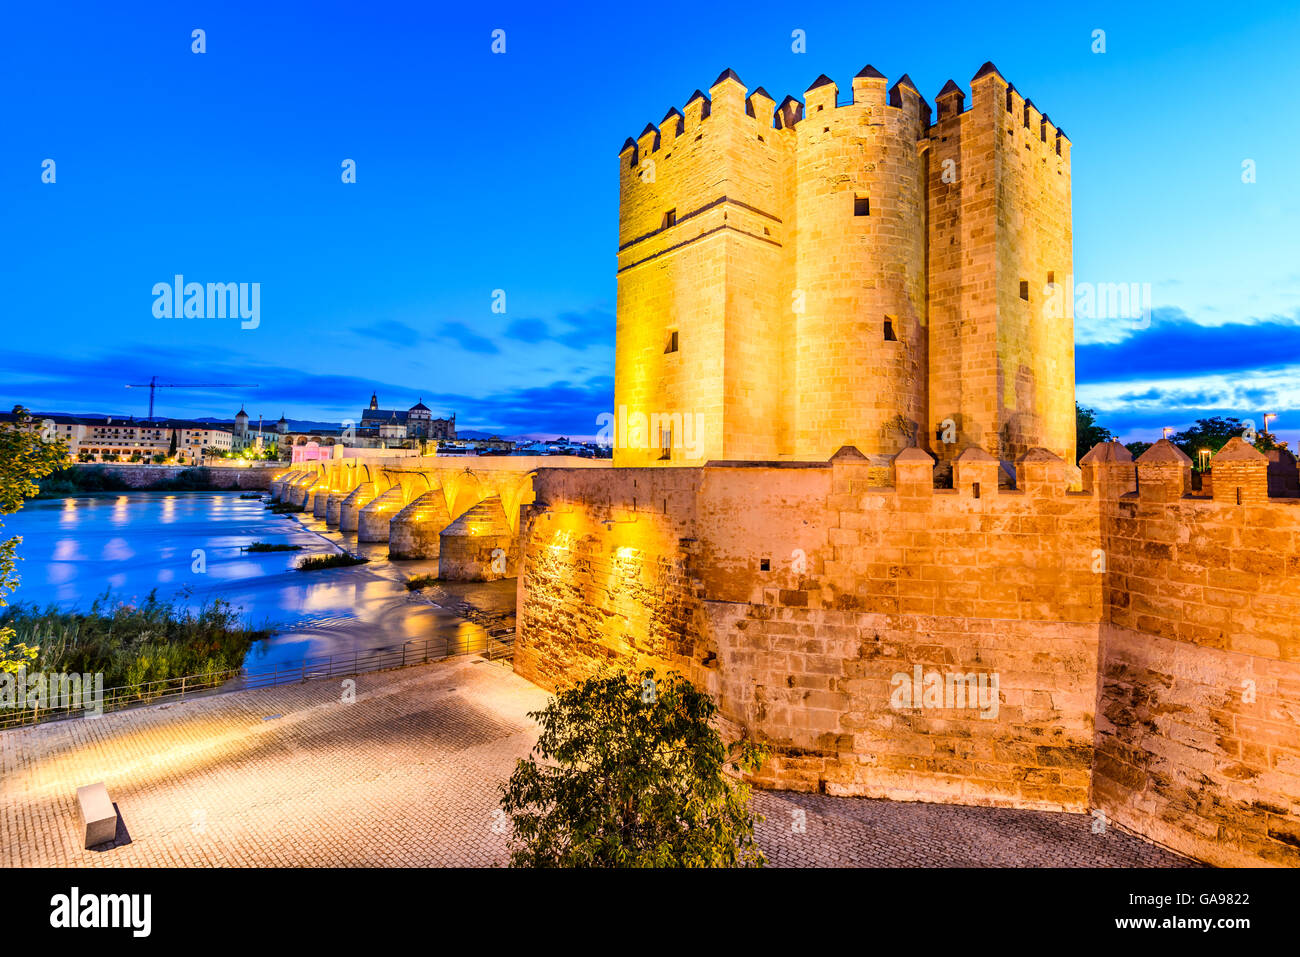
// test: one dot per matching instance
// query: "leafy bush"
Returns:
(632, 774)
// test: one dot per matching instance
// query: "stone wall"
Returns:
(797, 594)
(1125, 629)
(1198, 724)
(255, 478)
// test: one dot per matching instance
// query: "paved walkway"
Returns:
(814, 830)
(407, 775)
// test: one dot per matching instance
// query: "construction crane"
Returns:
(153, 384)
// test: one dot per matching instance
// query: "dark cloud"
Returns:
(561, 407)
(1175, 346)
(94, 385)
(465, 337)
(448, 334)
(390, 330)
(528, 330)
(573, 330)
(585, 329)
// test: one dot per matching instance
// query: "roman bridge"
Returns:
(462, 511)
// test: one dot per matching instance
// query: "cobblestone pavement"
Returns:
(404, 776)
(814, 830)
(407, 776)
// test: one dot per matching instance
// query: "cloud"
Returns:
(573, 330)
(467, 338)
(1176, 345)
(1178, 402)
(449, 333)
(390, 330)
(93, 385)
(528, 330)
(558, 408)
(594, 327)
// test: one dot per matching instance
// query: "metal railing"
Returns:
(495, 645)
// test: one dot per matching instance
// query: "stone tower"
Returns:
(796, 278)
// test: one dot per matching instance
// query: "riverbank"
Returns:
(122, 477)
(132, 644)
(192, 547)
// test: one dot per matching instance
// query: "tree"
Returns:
(171, 448)
(632, 774)
(1214, 433)
(1137, 448)
(27, 452)
(1087, 432)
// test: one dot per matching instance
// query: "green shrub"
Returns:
(269, 547)
(134, 643)
(632, 773)
(341, 560)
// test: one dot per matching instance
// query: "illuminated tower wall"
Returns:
(798, 278)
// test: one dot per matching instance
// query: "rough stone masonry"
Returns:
(846, 324)
(828, 273)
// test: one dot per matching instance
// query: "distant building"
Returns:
(244, 437)
(392, 425)
(106, 438)
(415, 428)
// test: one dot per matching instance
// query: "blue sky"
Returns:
(478, 172)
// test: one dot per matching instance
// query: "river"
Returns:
(73, 549)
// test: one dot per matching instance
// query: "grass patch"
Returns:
(420, 581)
(341, 560)
(251, 495)
(284, 508)
(132, 644)
(268, 547)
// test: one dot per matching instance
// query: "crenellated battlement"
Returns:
(765, 248)
(869, 88)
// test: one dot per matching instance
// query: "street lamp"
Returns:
(1205, 455)
(1167, 430)
(1267, 416)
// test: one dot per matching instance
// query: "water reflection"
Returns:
(143, 541)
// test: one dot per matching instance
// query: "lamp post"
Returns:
(1167, 430)
(1204, 456)
(1267, 416)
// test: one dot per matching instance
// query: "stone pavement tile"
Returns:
(405, 776)
(816, 830)
(408, 776)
